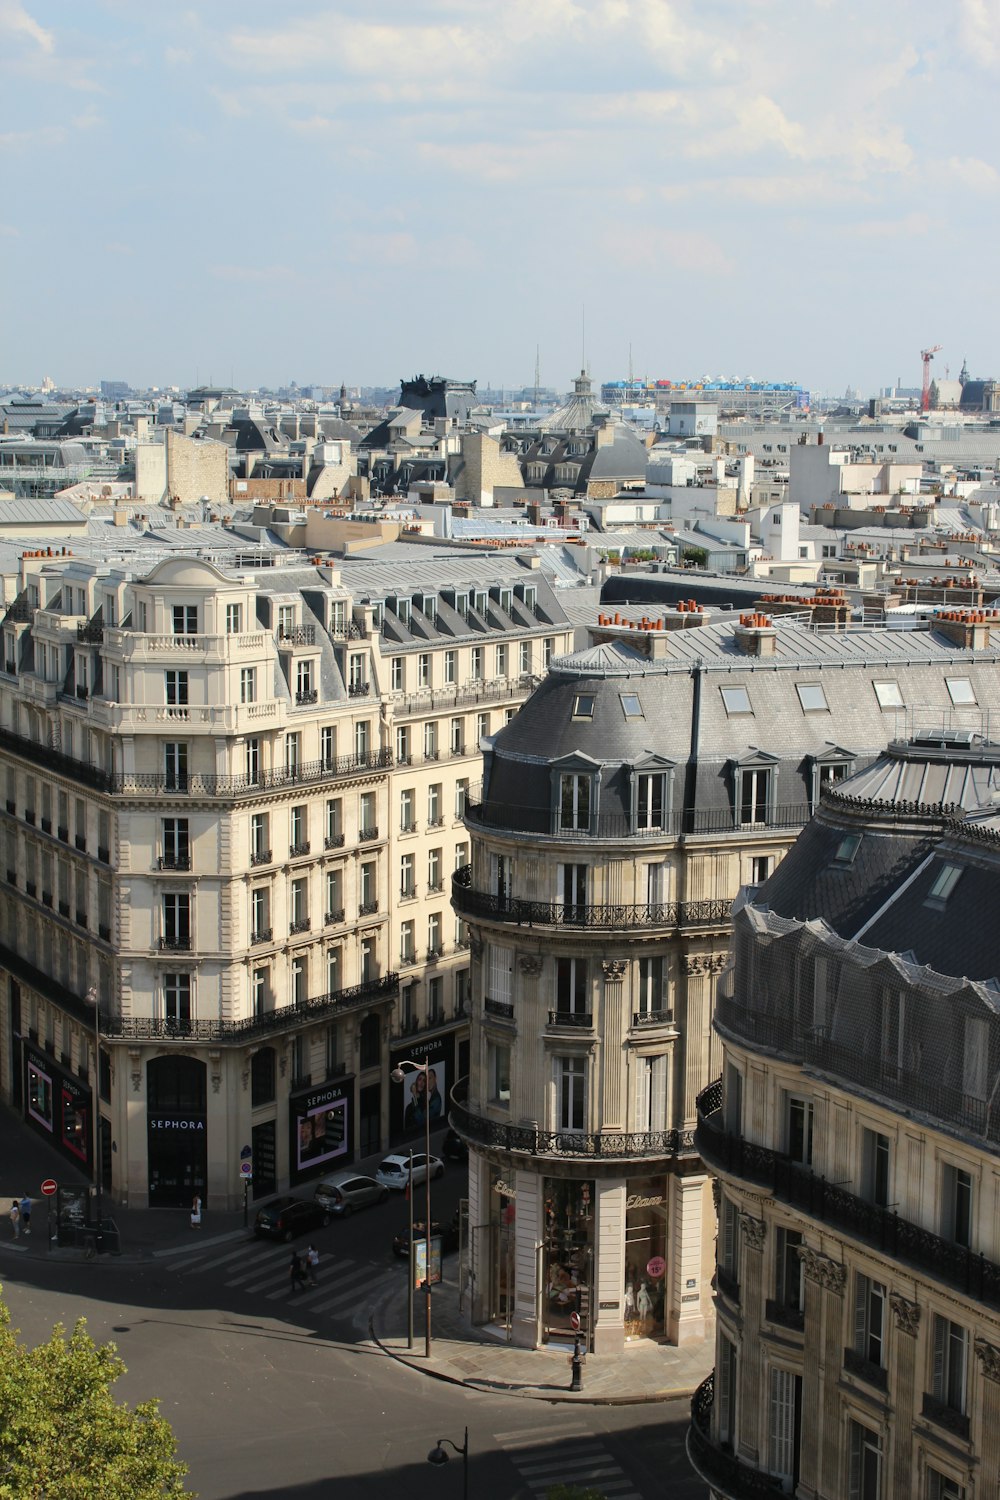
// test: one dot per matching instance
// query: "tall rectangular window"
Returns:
(260, 911)
(424, 669)
(799, 1129)
(450, 667)
(175, 766)
(248, 684)
(870, 1308)
(304, 691)
(574, 803)
(501, 661)
(234, 619)
(573, 892)
(176, 919)
(334, 822)
(784, 1424)
(334, 896)
(651, 986)
(477, 663)
(525, 658)
(457, 740)
(368, 888)
(293, 753)
(875, 1167)
(259, 836)
(366, 814)
(176, 689)
(407, 818)
(362, 737)
(434, 882)
(755, 794)
(572, 986)
(396, 674)
(789, 1289)
(571, 1081)
(176, 844)
(865, 1457)
(431, 740)
(956, 1205)
(252, 761)
(403, 745)
(726, 1394)
(434, 940)
(650, 801)
(461, 796)
(407, 884)
(951, 1364)
(407, 945)
(177, 998)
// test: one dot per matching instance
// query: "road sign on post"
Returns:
(49, 1187)
(246, 1168)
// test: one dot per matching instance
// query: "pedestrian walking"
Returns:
(26, 1214)
(15, 1219)
(312, 1263)
(196, 1212)
(296, 1275)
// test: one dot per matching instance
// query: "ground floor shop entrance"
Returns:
(177, 1133)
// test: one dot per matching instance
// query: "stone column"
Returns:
(526, 1268)
(607, 1311)
(751, 1405)
(613, 1107)
(988, 1483)
(903, 1385)
(825, 1282)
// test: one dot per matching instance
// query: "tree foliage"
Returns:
(63, 1436)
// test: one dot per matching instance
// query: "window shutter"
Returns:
(940, 1357)
(642, 1092)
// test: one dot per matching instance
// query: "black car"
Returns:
(449, 1236)
(284, 1218)
(453, 1148)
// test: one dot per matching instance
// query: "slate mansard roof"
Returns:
(705, 712)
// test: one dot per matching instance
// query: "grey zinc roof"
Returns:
(40, 512)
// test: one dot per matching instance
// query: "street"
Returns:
(273, 1394)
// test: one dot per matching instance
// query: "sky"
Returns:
(364, 189)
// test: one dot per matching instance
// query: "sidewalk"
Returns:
(482, 1360)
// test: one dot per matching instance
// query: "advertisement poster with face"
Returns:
(322, 1134)
(423, 1092)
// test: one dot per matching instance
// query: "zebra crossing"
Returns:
(345, 1286)
(571, 1456)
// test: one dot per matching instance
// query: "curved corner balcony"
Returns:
(881, 1228)
(721, 1470)
(601, 1145)
(613, 917)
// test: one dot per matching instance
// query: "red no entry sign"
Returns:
(49, 1186)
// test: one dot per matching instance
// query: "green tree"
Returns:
(64, 1436)
(697, 556)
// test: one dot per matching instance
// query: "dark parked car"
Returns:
(284, 1218)
(449, 1236)
(453, 1148)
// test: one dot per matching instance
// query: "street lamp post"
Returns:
(93, 1001)
(438, 1456)
(397, 1075)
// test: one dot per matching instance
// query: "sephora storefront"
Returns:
(320, 1130)
(177, 1131)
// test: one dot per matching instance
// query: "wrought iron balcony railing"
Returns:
(607, 1145)
(953, 1265)
(612, 917)
(149, 1028)
(296, 635)
(193, 783)
(721, 1470)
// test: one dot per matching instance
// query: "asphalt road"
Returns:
(271, 1394)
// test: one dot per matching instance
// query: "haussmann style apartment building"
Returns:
(644, 782)
(855, 1136)
(232, 804)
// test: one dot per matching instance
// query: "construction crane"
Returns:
(925, 396)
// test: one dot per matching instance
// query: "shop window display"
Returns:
(645, 1257)
(40, 1096)
(569, 1253)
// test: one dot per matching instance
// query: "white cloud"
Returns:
(690, 250)
(15, 20)
(252, 274)
(979, 30)
(974, 174)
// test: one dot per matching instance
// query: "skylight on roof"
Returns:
(847, 849)
(888, 694)
(583, 706)
(736, 700)
(631, 706)
(944, 883)
(812, 697)
(960, 690)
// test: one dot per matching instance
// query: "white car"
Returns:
(394, 1170)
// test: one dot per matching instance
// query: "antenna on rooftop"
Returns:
(583, 338)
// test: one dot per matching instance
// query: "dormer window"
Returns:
(403, 612)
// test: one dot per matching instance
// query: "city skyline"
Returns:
(332, 197)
